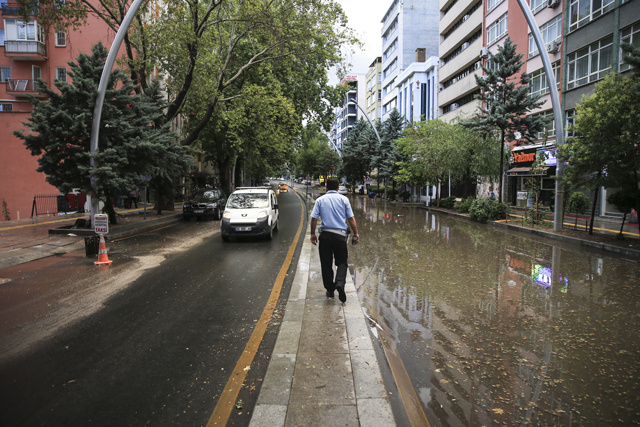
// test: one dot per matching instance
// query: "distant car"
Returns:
(204, 203)
(250, 211)
(283, 187)
(342, 190)
(266, 183)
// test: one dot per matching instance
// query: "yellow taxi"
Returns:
(283, 187)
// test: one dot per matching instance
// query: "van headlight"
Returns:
(262, 215)
(226, 215)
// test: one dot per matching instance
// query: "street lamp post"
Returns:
(557, 111)
(102, 89)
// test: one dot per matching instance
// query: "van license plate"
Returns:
(243, 228)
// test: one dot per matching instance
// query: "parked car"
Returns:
(342, 190)
(204, 203)
(283, 187)
(250, 211)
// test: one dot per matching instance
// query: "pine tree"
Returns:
(132, 142)
(505, 102)
(390, 155)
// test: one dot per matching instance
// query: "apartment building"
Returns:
(373, 106)
(594, 31)
(406, 26)
(582, 39)
(348, 114)
(460, 51)
(418, 89)
(28, 52)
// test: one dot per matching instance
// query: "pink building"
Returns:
(28, 53)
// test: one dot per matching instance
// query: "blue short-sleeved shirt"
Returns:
(334, 209)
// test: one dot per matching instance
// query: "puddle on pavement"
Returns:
(494, 327)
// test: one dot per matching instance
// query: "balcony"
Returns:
(25, 50)
(22, 88)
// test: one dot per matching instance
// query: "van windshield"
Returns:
(248, 201)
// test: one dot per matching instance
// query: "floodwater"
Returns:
(498, 327)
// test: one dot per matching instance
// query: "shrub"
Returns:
(448, 202)
(391, 193)
(487, 210)
(578, 202)
(464, 205)
(405, 196)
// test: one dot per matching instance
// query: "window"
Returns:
(61, 38)
(61, 74)
(590, 63)
(36, 73)
(1, 37)
(536, 5)
(629, 35)
(570, 118)
(550, 128)
(498, 29)
(539, 84)
(6, 108)
(491, 4)
(5, 74)
(551, 31)
(18, 30)
(583, 11)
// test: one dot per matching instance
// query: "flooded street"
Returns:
(497, 328)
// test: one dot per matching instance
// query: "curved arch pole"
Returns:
(557, 111)
(102, 89)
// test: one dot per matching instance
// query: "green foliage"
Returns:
(448, 202)
(487, 209)
(505, 102)
(5, 210)
(132, 141)
(435, 150)
(357, 151)
(578, 202)
(540, 216)
(314, 156)
(405, 196)
(604, 151)
(464, 205)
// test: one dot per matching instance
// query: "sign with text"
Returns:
(101, 223)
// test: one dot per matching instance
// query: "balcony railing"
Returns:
(24, 47)
(21, 85)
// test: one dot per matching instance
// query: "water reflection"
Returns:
(495, 327)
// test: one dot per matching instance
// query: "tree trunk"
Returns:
(501, 167)
(593, 210)
(624, 218)
(108, 209)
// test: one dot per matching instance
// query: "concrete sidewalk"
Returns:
(323, 371)
(28, 239)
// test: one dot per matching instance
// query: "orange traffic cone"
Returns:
(103, 259)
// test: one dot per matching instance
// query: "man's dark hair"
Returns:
(332, 184)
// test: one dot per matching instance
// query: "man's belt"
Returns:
(335, 231)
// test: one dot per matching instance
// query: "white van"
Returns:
(250, 211)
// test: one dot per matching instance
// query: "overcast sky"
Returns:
(364, 17)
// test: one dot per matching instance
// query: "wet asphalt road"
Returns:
(158, 349)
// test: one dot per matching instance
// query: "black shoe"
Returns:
(341, 294)
(329, 294)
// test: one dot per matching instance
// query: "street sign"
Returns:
(101, 223)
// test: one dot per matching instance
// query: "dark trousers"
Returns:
(333, 247)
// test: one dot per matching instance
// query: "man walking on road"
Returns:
(335, 210)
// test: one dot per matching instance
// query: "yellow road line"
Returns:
(229, 395)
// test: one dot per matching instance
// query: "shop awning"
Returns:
(526, 171)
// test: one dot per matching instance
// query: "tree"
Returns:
(357, 151)
(604, 151)
(206, 49)
(434, 151)
(314, 157)
(505, 102)
(388, 156)
(133, 142)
